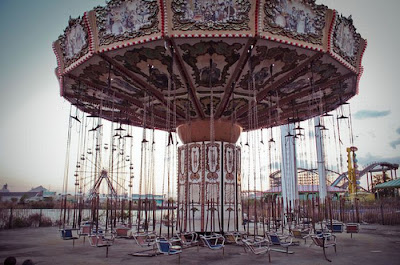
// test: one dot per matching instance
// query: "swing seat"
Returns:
(214, 242)
(85, 230)
(335, 227)
(234, 238)
(122, 232)
(258, 246)
(283, 241)
(165, 247)
(145, 239)
(301, 234)
(324, 241)
(188, 239)
(99, 240)
(66, 234)
(352, 228)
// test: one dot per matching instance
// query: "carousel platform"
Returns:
(375, 244)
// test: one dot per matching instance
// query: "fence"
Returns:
(386, 211)
(16, 217)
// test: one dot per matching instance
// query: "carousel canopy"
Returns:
(138, 62)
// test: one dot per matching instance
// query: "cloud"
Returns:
(366, 114)
(368, 159)
(398, 130)
(395, 143)
(371, 134)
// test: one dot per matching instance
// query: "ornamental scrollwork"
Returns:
(217, 73)
(212, 161)
(288, 58)
(155, 75)
(300, 20)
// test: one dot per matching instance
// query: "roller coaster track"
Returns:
(384, 166)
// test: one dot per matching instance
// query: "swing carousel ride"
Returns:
(205, 71)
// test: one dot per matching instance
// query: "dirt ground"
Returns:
(375, 244)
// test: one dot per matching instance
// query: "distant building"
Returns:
(307, 191)
(135, 198)
(35, 194)
(158, 198)
(10, 196)
(5, 189)
(38, 189)
(304, 177)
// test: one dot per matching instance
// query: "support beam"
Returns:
(279, 83)
(304, 113)
(290, 192)
(115, 91)
(304, 91)
(322, 189)
(104, 89)
(148, 88)
(159, 123)
(185, 74)
(236, 73)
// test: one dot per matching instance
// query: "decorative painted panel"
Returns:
(213, 167)
(210, 15)
(182, 164)
(74, 42)
(182, 186)
(126, 19)
(229, 162)
(301, 20)
(195, 193)
(195, 162)
(346, 41)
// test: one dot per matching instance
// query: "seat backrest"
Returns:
(248, 245)
(274, 239)
(257, 247)
(319, 241)
(352, 228)
(337, 228)
(140, 240)
(213, 241)
(187, 237)
(66, 233)
(100, 240)
(230, 238)
(85, 229)
(93, 240)
(297, 233)
(207, 242)
(122, 231)
(183, 239)
(163, 246)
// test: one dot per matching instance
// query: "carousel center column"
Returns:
(209, 177)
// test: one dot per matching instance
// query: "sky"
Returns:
(34, 118)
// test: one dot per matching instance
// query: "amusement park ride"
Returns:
(352, 167)
(207, 72)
